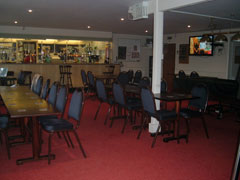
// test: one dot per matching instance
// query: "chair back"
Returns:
(145, 82)
(123, 78)
(101, 92)
(84, 77)
(194, 74)
(181, 74)
(38, 87)
(201, 91)
(118, 94)
(61, 99)
(137, 76)
(163, 86)
(21, 78)
(148, 101)
(76, 105)
(130, 75)
(53, 94)
(45, 89)
(91, 79)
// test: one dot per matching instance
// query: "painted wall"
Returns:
(213, 66)
(145, 52)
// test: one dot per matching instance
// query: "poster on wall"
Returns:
(129, 49)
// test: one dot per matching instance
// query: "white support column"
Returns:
(157, 59)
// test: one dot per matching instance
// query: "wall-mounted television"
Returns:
(197, 48)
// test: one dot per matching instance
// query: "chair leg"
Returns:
(108, 113)
(95, 117)
(70, 139)
(80, 145)
(125, 120)
(7, 143)
(0, 138)
(111, 122)
(49, 147)
(205, 126)
(65, 139)
(156, 134)
(142, 125)
(59, 136)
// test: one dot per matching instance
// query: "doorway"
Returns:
(169, 51)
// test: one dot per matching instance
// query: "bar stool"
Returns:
(62, 74)
(68, 73)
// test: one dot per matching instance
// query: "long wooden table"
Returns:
(21, 102)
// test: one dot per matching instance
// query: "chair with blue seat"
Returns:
(91, 82)
(38, 87)
(45, 89)
(129, 106)
(62, 125)
(59, 105)
(102, 97)
(194, 74)
(123, 78)
(130, 75)
(84, 80)
(4, 130)
(181, 74)
(137, 77)
(144, 82)
(197, 107)
(163, 86)
(51, 99)
(164, 117)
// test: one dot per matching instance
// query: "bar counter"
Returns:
(51, 71)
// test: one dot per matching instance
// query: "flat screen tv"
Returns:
(197, 48)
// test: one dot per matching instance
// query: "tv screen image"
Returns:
(197, 48)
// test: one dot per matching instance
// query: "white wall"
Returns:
(213, 66)
(145, 52)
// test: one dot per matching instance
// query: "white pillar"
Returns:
(157, 59)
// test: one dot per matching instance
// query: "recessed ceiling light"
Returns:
(15, 22)
(30, 10)
(146, 31)
(88, 27)
(188, 26)
(122, 19)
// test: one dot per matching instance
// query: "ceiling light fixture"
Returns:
(188, 26)
(15, 22)
(122, 19)
(88, 27)
(146, 31)
(220, 38)
(30, 10)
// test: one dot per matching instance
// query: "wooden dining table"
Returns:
(177, 98)
(21, 102)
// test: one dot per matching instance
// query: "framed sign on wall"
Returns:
(183, 54)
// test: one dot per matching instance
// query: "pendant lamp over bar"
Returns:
(220, 38)
(236, 37)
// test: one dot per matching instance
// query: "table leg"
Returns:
(177, 135)
(35, 145)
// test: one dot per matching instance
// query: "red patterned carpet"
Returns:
(115, 156)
